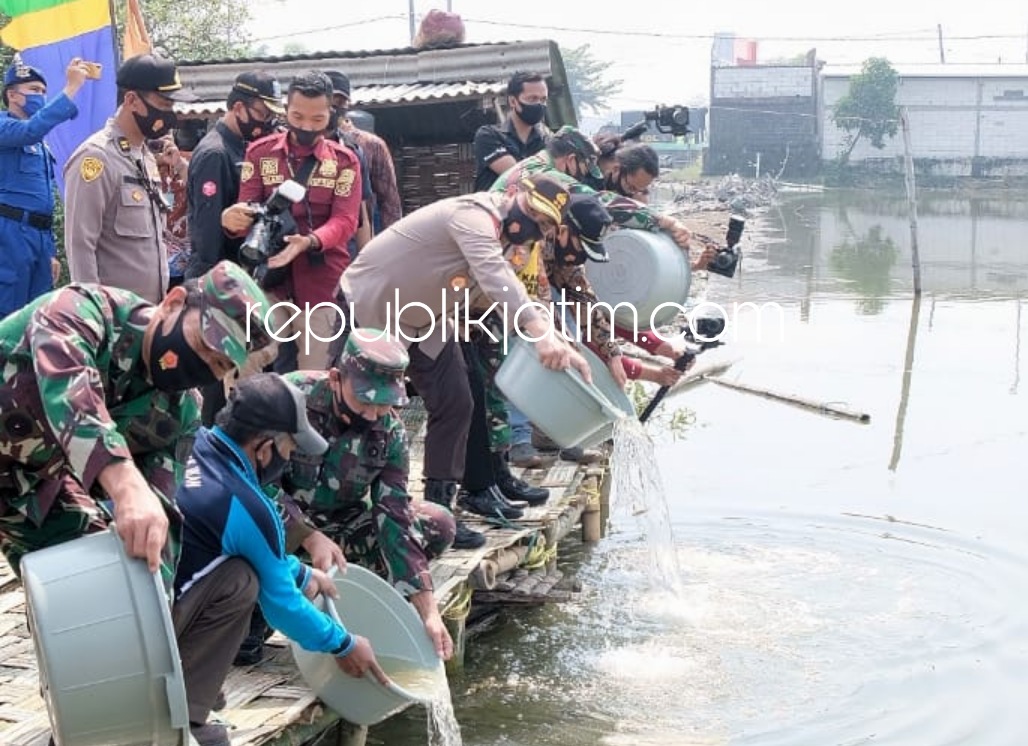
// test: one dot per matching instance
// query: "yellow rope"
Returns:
(461, 605)
(539, 555)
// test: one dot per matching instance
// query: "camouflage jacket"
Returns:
(360, 474)
(627, 213)
(74, 397)
(544, 277)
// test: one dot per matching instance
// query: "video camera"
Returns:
(273, 221)
(726, 259)
(670, 120)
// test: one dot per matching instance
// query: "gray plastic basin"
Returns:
(108, 661)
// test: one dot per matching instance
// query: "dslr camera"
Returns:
(727, 258)
(272, 222)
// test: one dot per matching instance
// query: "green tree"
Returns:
(587, 80)
(209, 30)
(6, 53)
(869, 107)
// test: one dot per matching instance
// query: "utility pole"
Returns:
(410, 19)
(942, 51)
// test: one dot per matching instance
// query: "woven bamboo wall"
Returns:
(430, 173)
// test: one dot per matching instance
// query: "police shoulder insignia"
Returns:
(91, 168)
(344, 184)
(247, 173)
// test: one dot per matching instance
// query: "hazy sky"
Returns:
(661, 49)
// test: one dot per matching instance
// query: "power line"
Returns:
(336, 27)
(928, 34)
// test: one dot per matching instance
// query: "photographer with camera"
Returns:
(314, 255)
(212, 185)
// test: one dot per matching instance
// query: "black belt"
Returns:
(35, 219)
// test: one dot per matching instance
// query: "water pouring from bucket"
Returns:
(368, 606)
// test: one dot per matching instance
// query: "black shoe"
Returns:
(251, 652)
(467, 538)
(490, 503)
(518, 489)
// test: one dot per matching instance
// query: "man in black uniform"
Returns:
(212, 184)
(522, 133)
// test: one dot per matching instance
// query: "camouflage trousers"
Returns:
(363, 543)
(490, 357)
(73, 514)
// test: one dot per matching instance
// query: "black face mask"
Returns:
(174, 365)
(156, 123)
(272, 471)
(357, 423)
(519, 227)
(568, 254)
(532, 114)
(253, 128)
(339, 114)
(305, 138)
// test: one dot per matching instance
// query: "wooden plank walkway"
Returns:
(269, 703)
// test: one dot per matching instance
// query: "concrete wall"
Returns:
(767, 110)
(960, 126)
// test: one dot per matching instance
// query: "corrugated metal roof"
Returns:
(482, 62)
(400, 75)
(937, 70)
(381, 95)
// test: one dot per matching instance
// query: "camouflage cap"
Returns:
(231, 312)
(375, 363)
(581, 146)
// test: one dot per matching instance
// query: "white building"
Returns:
(965, 120)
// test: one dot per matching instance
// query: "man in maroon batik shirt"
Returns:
(326, 218)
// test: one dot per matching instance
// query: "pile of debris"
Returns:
(732, 193)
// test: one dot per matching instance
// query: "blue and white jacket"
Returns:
(227, 515)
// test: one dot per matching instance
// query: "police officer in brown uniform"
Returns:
(113, 229)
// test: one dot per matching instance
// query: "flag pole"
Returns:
(114, 34)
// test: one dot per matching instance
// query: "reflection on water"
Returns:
(841, 583)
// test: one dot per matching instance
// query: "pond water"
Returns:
(841, 583)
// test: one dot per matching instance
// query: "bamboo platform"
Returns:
(269, 703)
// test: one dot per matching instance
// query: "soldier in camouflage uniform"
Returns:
(96, 402)
(355, 495)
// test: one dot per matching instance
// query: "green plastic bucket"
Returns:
(561, 403)
(109, 666)
(645, 270)
(370, 607)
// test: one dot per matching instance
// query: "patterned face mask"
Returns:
(174, 365)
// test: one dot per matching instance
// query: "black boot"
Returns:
(490, 503)
(514, 488)
(251, 652)
(443, 492)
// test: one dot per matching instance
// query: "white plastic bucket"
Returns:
(645, 270)
(370, 607)
(561, 403)
(108, 660)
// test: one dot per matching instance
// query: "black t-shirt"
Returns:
(494, 141)
(212, 184)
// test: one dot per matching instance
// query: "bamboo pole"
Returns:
(908, 164)
(828, 408)
(908, 371)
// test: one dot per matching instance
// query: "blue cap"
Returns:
(19, 72)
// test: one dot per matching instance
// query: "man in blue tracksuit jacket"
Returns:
(28, 267)
(233, 548)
